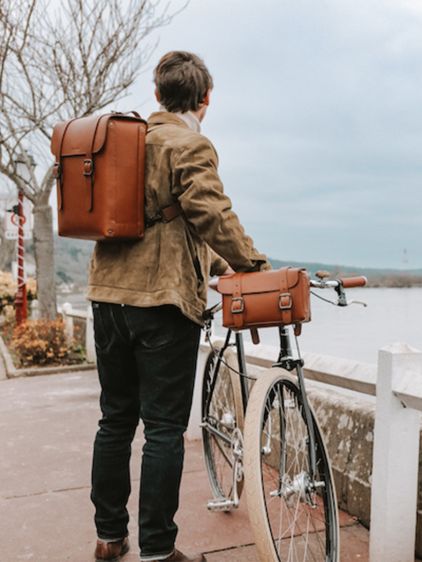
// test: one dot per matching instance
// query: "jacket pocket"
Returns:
(102, 336)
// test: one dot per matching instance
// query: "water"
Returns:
(357, 332)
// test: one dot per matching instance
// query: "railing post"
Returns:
(68, 322)
(89, 337)
(194, 430)
(395, 460)
(35, 310)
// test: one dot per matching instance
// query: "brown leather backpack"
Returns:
(100, 167)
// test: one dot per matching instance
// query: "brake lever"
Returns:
(358, 302)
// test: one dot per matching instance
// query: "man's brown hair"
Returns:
(182, 81)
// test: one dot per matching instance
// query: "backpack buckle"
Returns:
(88, 167)
(57, 170)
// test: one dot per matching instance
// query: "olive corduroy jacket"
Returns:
(172, 263)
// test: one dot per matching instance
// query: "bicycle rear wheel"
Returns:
(294, 516)
(222, 425)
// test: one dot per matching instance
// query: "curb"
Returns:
(12, 372)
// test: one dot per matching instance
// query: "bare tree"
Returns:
(7, 247)
(55, 66)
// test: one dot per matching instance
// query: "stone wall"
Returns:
(348, 428)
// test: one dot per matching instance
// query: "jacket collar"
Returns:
(166, 118)
(191, 120)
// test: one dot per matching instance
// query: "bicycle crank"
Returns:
(222, 504)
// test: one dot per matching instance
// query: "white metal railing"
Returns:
(396, 454)
(68, 316)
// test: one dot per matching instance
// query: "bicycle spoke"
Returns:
(220, 447)
(220, 419)
(298, 513)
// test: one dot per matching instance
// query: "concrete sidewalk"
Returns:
(47, 425)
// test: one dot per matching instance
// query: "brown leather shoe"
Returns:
(111, 551)
(179, 557)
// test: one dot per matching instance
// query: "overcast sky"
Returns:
(316, 115)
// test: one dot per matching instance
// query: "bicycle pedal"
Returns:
(221, 504)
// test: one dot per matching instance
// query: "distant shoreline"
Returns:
(72, 261)
(376, 277)
(395, 283)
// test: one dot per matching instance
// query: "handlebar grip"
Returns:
(349, 282)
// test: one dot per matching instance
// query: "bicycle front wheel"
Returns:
(222, 425)
(293, 512)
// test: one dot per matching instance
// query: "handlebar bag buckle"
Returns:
(238, 305)
(285, 301)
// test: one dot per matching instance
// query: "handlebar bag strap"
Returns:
(285, 300)
(237, 308)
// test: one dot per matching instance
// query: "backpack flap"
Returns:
(76, 138)
(83, 137)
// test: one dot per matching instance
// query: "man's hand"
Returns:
(214, 282)
(228, 271)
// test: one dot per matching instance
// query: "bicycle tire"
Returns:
(285, 526)
(226, 401)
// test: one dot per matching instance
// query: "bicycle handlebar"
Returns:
(337, 284)
(349, 282)
(345, 282)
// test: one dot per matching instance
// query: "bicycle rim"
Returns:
(223, 412)
(294, 517)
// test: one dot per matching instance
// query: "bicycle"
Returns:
(268, 438)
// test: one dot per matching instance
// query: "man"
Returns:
(148, 300)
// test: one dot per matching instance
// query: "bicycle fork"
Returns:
(304, 483)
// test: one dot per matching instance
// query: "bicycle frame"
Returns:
(240, 350)
(271, 441)
(285, 361)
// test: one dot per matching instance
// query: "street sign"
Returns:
(11, 221)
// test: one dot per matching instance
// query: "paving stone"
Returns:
(47, 425)
(241, 554)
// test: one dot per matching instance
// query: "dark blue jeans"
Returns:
(146, 361)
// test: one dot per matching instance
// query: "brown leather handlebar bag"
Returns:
(262, 299)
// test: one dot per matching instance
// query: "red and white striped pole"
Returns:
(21, 307)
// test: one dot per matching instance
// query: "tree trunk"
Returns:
(7, 251)
(44, 260)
